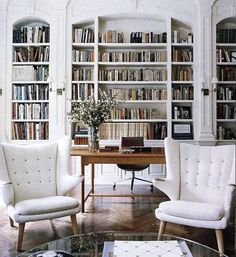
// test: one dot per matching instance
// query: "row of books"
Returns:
(31, 34)
(30, 92)
(82, 91)
(148, 37)
(138, 93)
(81, 140)
(30, 111)
(132, 74)
(182, 36)
(83, 35)
(83, 55)
(226, 93)
(114, 131)
(182, 92)
(134, 56)
(82, 74)
(182, 55)
(30, 130)
(226, 133)
(226, 73)
(111, 36)
(182, 73)
(226, 111)
(30, 73)
(137, 114)
(182, 112)
(226, 35)
(223, 55)
(31, 54)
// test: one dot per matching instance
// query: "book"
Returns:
(170, 248)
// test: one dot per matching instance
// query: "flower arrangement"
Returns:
(92, 113)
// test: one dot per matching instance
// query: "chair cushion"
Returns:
(46, 205)
(192, 210)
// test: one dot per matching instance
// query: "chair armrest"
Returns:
(167, 186)
(6, 190)
(228, 201)
(67, 182)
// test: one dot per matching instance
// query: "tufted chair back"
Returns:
(205, 172)
(31, 169)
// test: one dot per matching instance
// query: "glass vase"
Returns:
(93, 139)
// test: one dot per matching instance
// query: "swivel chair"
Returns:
(127, 142)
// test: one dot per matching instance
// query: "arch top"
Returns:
(30, 20)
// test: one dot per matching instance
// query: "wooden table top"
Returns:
(155, 151)
(155, 156)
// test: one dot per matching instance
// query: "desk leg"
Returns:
(82, 188)
(92, 178)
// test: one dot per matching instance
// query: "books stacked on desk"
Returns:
(170, 248)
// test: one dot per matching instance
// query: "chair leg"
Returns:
(20, 236)
(220, 240)
(161, 229)
(143, 180)
(132, 181)
(11, 222)
(74, 224)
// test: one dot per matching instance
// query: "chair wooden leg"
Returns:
(220, 240)
(11, 222)
(20, 236)
(162, 228)
(74, 224)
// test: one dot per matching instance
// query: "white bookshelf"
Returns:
(225, 90)
(30, 85)
(116, 57)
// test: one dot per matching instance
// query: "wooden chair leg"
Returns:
(20, 236)
(220, 240)
(74, 224)
(162, 228)
(11, 222)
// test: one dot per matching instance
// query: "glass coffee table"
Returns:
(92, 245)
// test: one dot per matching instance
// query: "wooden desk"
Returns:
(156, 156)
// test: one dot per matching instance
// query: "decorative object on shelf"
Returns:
(92, 113)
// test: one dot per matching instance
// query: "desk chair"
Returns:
(126, 142)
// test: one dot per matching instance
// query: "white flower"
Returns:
(91, 112)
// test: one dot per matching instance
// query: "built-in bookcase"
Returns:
(182, 81)
(83, 45)
(30, 86)
(226, 75)
(147, 63)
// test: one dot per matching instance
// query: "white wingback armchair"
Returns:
(200, 183)
(34, 182)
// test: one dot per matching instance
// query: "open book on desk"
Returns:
(170, 248)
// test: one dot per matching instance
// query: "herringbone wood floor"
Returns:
(106, 214)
